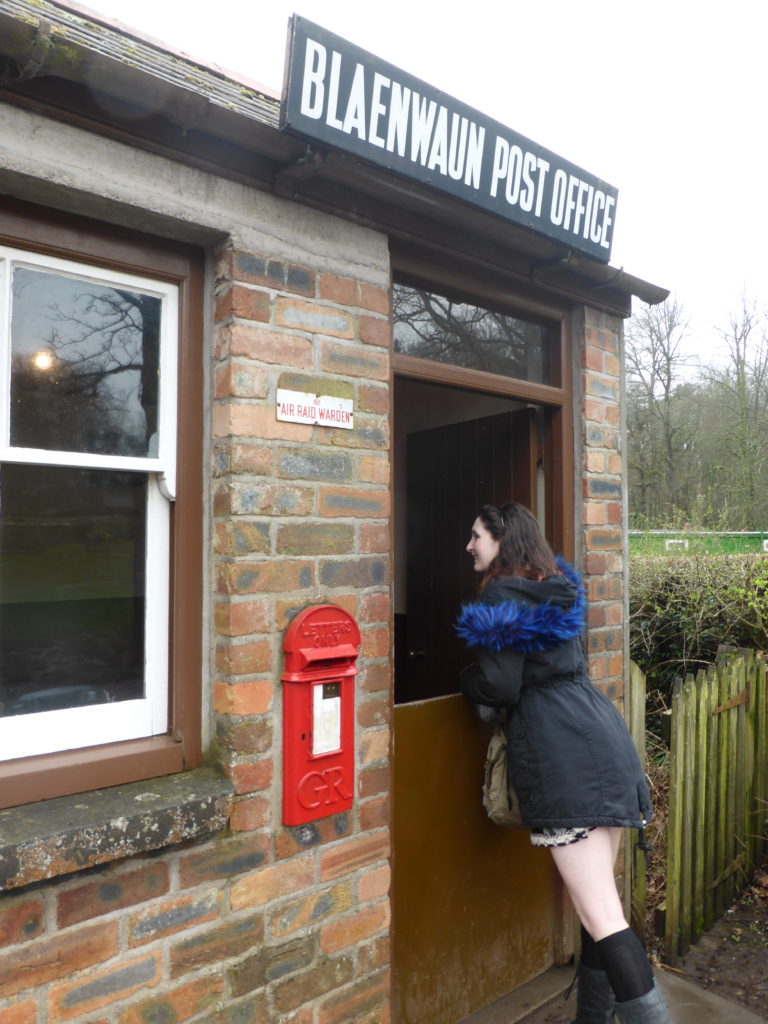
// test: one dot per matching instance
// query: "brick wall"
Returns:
(602, 497)
(264, 923)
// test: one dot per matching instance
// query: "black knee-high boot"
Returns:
(649, 1008)
(638, 1000)
(594, 996)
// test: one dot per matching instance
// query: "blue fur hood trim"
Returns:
(524, 628)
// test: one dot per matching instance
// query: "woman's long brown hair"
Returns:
(523, 549)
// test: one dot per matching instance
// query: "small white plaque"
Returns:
(326, 718)
(302, 407)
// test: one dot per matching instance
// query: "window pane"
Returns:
(72, 586)
(84, 365)
(432, 326)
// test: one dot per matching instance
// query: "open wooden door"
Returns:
(475, 906)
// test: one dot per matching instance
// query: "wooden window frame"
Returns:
(481, 284)
(51, 232)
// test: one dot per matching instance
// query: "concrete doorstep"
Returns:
(688, 1003)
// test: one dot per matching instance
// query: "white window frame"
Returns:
(76, 728)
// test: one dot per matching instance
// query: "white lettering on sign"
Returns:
(344, 97)
(326, 410)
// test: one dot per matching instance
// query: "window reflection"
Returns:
(84, 365)
(433, 326)
(72, 587)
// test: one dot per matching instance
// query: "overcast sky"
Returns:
(664, 99)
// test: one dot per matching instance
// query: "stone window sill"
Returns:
(44, 840)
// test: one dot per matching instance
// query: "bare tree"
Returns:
(740, 428)
(662, 427)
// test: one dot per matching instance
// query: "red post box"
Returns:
(321, 647)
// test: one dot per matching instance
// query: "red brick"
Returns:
(350, 501)
(611, 365)
(172, 916)
(99, 989)
(376, 678)
(375, 814)
(375, 883)
(250, 813)
(243, 458)
(614, 615)
(373, 781)
(230, 419)
(215, 944)
(374, 745)
(313, 317)
(374, 399)
(277, 347)
(252, 698)
(329, 975)
(365, 1002)
(374, 955)
(603, 539)
(353, 854)
(237, 381)
(240, 538)
(252, 777)
(222, 859)
(244, 737)
(50, 959)
(311, 909)
(373, 469)
(264, 577)
(595, 513)
(604, 640)
(21, 921)
(592, 359)
(349, 930)
(243, 303)
(375, 332)
(373, 712)
(305, 1016)
(113, 892)
(258, 269)
(177, 1005)
(374, 538)
(596, 616)
(350, 292)
(594, 564)
(354, 361)
(242, 617)
(375, 642)
(614, 512)
(269, 883)
(20, 1013)
(244, 659)
(374, 608)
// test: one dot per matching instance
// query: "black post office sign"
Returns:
(346, 98)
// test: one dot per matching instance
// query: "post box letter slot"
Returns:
(326, 718)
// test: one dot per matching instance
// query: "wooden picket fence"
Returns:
(717, 830)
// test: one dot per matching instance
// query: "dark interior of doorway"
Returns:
(455, 450)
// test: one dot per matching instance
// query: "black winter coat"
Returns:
(571, 759)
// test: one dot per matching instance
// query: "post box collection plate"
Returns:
(321, 647)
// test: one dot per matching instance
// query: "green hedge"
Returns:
(683, 608)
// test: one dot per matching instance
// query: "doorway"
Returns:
(477, 911)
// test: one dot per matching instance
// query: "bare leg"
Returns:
(586, 868)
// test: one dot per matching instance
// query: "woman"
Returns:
(571, 759)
